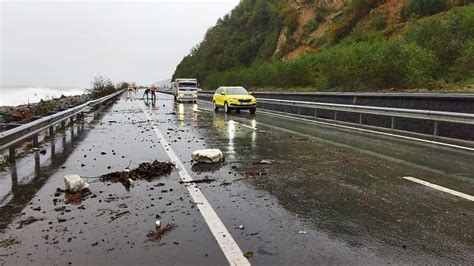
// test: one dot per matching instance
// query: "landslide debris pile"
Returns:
(144, 171)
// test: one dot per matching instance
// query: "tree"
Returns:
(101, 86)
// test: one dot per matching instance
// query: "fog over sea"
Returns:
(17, 95)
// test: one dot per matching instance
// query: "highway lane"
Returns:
(332, 196)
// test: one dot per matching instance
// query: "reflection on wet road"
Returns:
(321, 195)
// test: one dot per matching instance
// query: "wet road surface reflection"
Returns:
(321, 196)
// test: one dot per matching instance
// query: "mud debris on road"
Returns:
(4, 243)
(72, 197)
(156, 234)
(28, 221)
(266, 162)
(251, 173)
(118, 215)
(145, 171)
(198, 181)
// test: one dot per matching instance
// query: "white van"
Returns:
(185, 89)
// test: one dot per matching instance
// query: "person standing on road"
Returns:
(153, 92)
(129, 90)
(147, 91)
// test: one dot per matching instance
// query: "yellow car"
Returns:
(234, 98)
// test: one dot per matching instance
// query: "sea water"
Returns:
(13, 96)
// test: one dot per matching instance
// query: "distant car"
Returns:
(234, 98)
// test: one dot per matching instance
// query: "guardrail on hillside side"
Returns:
(9, 138)
(448, 102)
(452, 117)
(426, 122)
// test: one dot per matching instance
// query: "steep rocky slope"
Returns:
(270, 32)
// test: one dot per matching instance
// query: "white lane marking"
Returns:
(440, 188)
(363, 130)
(227, 244)
(244, 125)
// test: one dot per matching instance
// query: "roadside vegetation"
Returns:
(430, 50)
(100, 87)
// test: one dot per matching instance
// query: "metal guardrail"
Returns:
(337, 111)
(392, 113)
(445, 102)
(10, 137)
(364, 94)
(453, 117)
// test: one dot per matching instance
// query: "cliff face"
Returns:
(321, 19)
(259, 31)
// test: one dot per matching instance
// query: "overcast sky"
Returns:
(68, 43)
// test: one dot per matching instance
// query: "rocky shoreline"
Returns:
(10, 116)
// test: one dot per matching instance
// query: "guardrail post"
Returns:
(63, 124)
(335, 115)
(11, 154)
(435, 129)
(392, 124)
(71, 120)
(37, 163)
(53, 148)
(360, 118)
(315, 112)
(298, 110)
(14, 175)
(51, 131)
(35, 140)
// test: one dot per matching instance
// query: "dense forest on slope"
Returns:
(342, 45)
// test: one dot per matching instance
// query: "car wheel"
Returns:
(216, 108)
(226, 108)
(253, 110)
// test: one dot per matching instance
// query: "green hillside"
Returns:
(335, 45)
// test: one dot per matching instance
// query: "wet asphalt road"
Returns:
(332, 196)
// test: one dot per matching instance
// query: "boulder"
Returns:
(74, 183)
(207, 156)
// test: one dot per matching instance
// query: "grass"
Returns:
(466, 86)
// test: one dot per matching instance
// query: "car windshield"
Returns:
(187, 84)
(236, 91)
